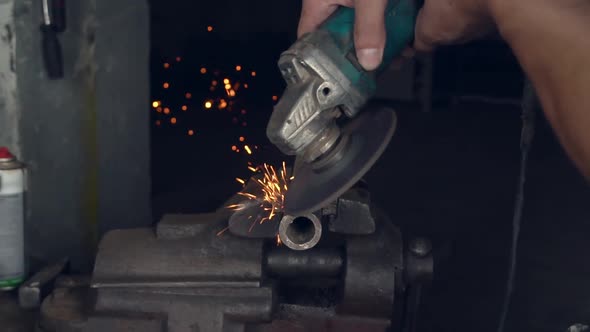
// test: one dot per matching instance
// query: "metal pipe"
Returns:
(300, 232)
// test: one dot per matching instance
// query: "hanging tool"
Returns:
(322, 119)
(54, 22)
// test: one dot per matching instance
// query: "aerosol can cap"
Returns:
(5, 154)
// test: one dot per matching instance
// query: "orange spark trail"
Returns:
(274, 186)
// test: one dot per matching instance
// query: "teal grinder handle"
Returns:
(400, 19)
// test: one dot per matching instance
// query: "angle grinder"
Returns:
(323, 117)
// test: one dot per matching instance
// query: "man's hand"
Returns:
(439, 22)
(369, 27)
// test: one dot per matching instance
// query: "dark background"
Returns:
(450, 174)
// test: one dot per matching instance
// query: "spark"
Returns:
(250, 196)
(275, 98)
(242, 138)
(253, 73)
(226, 81)
(278, 240)
(178, 59)
(222, 231)
(166, 65)
(274, 185)
(166, 110)
(166, 85)
(188, 95)
(208, 104)
(238, 68)
(247, 148)
(240, 181)
(184, 107)
(236, 206)
(155, 104)
(209, 28)
(173, 120)
(191, 132)
(203, 70)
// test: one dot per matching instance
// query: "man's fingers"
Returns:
(369, 27)
(369, 32)
(315, 12)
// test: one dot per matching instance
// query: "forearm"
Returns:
(551, 39)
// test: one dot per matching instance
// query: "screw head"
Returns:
(420, 247)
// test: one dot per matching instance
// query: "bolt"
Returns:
(420, 247)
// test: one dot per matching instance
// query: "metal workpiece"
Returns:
(300, 232)
(318, 262)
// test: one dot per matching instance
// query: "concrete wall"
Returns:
(85, 138)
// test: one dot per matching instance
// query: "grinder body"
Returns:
(326, 86)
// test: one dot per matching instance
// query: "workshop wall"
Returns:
(85, 138)
(8, 101)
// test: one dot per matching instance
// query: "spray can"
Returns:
(12, 251)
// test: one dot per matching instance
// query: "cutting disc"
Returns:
(367, 137)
